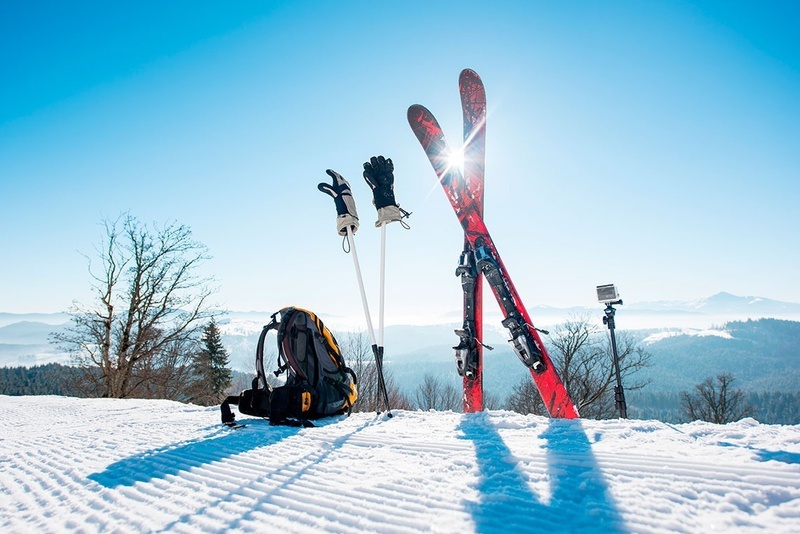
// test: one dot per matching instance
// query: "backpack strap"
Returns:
(305, 423)
(227, 415)
(260, 373)
(343, 390)
(328, 341)
(294, 340)
(284, 330)
(301, 334)
(228, 418)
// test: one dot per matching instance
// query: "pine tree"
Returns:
(212, 375)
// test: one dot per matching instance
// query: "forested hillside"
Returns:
(762, 355)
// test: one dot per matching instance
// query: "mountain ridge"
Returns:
(25, 341)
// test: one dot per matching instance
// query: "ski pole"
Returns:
(376, 350)
(381, 300)
(346, 225)
(351, 240)
(379, 174)
(381, 306)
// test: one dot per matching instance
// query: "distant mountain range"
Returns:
(686, 338)
(698, 313)
(723, 303)
(44, 318)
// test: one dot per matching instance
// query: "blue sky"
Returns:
(655, 145)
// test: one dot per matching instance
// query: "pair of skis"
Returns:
(480, 256)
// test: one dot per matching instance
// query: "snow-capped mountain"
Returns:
(725, 303)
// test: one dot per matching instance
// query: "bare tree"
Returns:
(168, 374)
(583, 358)
(525, 398)
(397, 399)
(433, 394)
(149, 303)
(716, 401)
(491, 401)
(358, 355)
(239, 382)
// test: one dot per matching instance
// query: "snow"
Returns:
(102, 465)
(709, 332)
(240, 327)
(660, 336)
(715, 333)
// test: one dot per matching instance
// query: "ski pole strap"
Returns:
(404, 215)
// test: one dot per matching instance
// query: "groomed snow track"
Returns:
(144, 466)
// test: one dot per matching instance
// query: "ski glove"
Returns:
(346, 215)
(378, 172)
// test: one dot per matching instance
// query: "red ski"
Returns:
(469, 351)
(525, 339)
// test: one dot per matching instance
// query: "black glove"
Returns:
(378, 172)
(339, 190)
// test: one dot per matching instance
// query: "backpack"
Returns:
(318, 383)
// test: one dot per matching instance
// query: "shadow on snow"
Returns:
(174, 459)
(779, 456)
(579, 500)
(272, 487)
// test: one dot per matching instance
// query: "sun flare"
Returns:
(455, 159)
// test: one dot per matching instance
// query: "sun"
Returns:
(455, 159)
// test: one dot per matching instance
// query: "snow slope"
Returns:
(99, 465)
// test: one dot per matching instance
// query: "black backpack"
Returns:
(318, 383)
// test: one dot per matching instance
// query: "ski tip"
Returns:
(421, 120)
(415, 111)
(469, 73)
